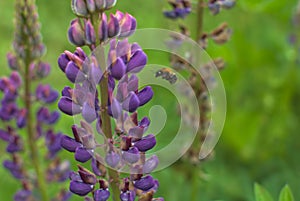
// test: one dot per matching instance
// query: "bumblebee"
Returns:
(167, 74)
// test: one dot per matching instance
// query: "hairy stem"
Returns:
(200, 11)
(106, 123)
(31, 134)
(199, 86)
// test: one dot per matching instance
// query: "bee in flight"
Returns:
(167, 74)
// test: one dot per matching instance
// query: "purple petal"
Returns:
(101, 195)
(90, 33)
(80, 188)
(113, 26)
(5, 135)
(137, 62)
(103, 29)
(112, 159)
(79, 7)
(146, 143)
(127, 196)
(116, 108)
(118, 69)
(150, 164)
(88, 112)
(69, 144)
(145, 95)
(131, 103)
(67, 106)
(132, 155)
(82, 155)
(145, 183)
(74, 74)
(76, 34)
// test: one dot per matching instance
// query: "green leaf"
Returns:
(261, 194)
(286, 194)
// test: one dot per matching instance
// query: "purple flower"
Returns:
(112, 159)
(76, 33)
(82, 154)
(46, 94)
(145, 183)
(22, 195)
(69, 144)
(131, 103)
(145, 95)
(131, 156)
(80, 188)
(127, 196)
(146, 143)
(53, 142)
(101, 195)
(67, 106)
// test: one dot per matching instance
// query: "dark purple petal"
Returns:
(145, 95)
(67, 91)
(67, 106)
(103, 29)
(69, 144)
(101, 195)
(145, 122)
(21, 118)
(145, 183)
(63, 61)
(15, 145)
(54, 116)
(132, 155)
(127, 25)
(118, 69)
(90, 33)
(137, 62)
(127, 196)
(113, 26)
(22, 195)
(131, 103)
(4, 135)
(80, 188)
(82, 155)
(74, 74)
(146, 143)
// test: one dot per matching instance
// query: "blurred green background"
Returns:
(260, 141)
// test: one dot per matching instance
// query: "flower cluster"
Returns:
(216, 5)
(181, 8)
(110, 137)
(17, 104)
(219, 35)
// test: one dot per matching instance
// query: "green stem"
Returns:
(106, 123)
(200, 12)
(199, 86)
(31, 134)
